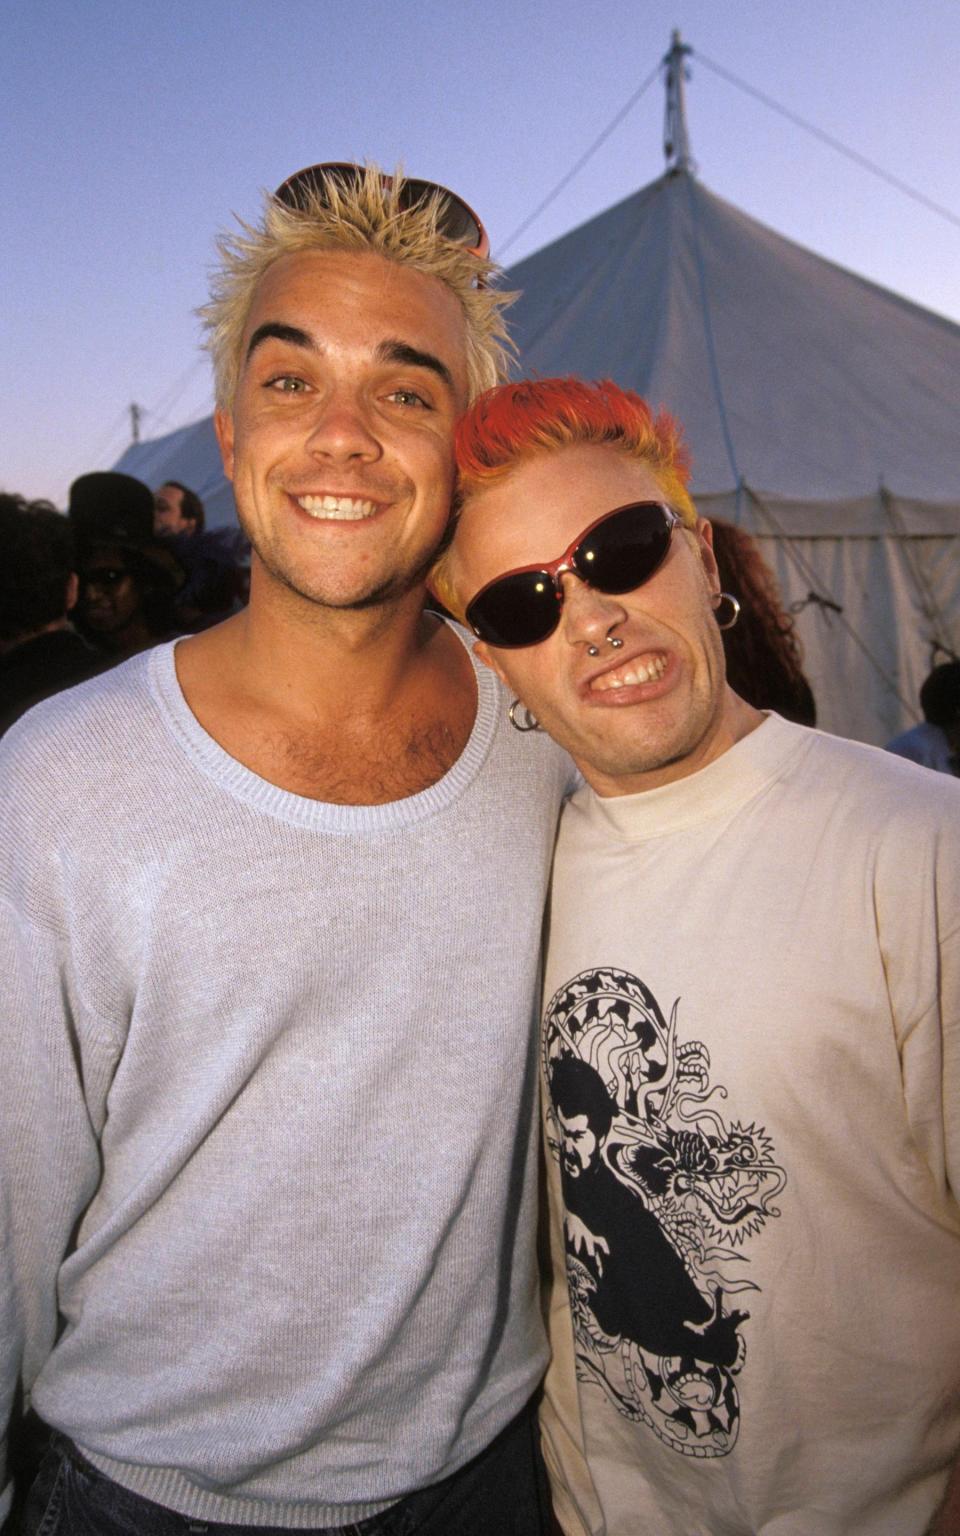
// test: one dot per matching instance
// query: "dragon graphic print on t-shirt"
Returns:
(661, 1197)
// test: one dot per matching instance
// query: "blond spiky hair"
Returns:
(358, 216)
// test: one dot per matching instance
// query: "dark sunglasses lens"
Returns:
(454, 219)
(298, 190)
(517, 610)
(625, 549)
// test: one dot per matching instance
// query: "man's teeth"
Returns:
(337, 506)
(634, 672)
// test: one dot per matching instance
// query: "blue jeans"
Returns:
(502, 1492)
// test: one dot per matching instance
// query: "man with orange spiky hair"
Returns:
(750, 1047)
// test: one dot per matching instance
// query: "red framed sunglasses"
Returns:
(617, 553)
(456, 220)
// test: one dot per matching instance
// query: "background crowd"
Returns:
(128, 567)
(124, 569)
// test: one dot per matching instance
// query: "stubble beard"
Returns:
(638, 756)
(391, 589)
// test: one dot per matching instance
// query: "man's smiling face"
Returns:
(635, 716)
(338, 442)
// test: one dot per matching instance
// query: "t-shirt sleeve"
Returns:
(950, 1024)
(918, 911)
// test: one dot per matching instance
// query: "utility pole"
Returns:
(136, 411)
(676, 144)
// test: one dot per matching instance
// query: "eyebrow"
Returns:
(389, 351)
(412, 357)
(276, 330)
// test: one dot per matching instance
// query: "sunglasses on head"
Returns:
(617, 553)
(456, 220)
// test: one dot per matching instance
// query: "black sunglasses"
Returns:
(103, 576)
(617, 553)
(456, 220)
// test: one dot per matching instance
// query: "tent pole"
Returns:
(913, 559)
(676, 142)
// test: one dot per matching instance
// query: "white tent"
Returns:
(190, 455)
(820, 410)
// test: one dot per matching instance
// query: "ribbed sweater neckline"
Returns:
(245, 785)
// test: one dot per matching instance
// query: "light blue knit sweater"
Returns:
(267, 1103)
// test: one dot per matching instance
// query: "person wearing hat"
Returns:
(106, 505)
(127, 594)
(128, 579)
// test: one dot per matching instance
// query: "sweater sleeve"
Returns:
(49, 1156)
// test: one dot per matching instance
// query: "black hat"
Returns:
(106, 507)
(110, 510)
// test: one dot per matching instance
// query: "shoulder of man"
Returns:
(532, 742)
(77, 737)
(878, 770)
(894, 804)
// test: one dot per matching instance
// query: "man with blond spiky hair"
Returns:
(269, 1158)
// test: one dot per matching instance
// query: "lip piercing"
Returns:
(593, 650)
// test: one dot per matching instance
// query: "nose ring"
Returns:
(612, 640)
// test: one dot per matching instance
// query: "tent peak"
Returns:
(676, 142)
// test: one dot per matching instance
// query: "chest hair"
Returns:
(350, 766)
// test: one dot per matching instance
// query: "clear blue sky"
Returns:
(133, 130)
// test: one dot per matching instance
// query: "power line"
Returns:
(108, 448)
(172, 395)
(768, 101)
(565, 180)
(94, 460)
(827, 138)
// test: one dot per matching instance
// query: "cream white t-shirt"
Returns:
(750, 1055)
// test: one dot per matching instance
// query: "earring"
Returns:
(726, 597)
(521, 719)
